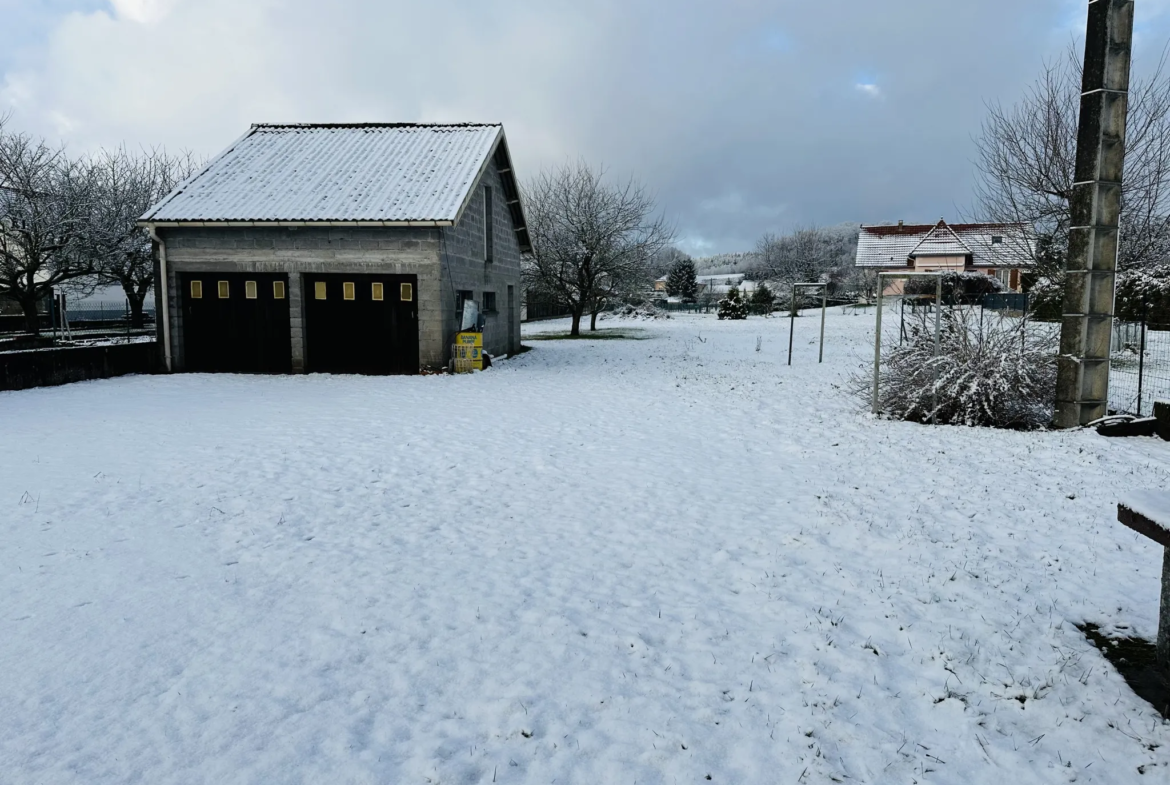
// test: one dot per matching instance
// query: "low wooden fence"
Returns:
(61, 365)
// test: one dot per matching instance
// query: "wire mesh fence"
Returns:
(104, 311)
(1139, 367)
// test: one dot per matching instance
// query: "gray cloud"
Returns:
(743, 116)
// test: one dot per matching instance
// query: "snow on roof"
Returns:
(941, 241)
(392, 173)
(729, 277)
(988, 244)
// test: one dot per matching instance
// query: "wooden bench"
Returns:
(1148, 513)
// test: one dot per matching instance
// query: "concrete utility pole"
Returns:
(1082, 382)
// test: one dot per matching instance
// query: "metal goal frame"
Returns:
(877, 339)
(824, 287)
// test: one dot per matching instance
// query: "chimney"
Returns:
(900, 224)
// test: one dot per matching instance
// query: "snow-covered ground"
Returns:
(671, 559)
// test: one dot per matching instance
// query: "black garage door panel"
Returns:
(236, 323)
(348, 329)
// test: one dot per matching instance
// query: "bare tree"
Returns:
(1027, 157)
(45, 203)
(663, 262)
(593, 241)
(127, 185)
(808, 254)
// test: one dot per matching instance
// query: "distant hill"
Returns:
(719, 264)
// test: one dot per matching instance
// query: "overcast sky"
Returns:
(743, 116)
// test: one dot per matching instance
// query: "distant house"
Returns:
(999, 249)
(722, 284)
(713, 284)
(340, 248)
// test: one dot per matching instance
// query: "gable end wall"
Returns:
(463, 267)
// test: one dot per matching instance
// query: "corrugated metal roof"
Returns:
(351, 173)
(892, 246)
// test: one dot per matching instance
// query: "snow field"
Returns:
(646, 560)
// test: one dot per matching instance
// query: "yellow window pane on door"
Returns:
(319, 290)
(224, 291)
(347, 290)
(376, 291)
(250, 290)
(197, 290)
(406, 292)
(278, 290)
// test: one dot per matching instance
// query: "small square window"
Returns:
(278, 290)
(224, 290)
(489, 302)
(250, 290)
(406, 292)
(376, 292)
(996, 239)
(319, 290)
(197, 290)
(347, 290)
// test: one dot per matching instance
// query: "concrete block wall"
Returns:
(294, 251)
(464, 267)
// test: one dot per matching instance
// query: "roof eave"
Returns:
(171, 224)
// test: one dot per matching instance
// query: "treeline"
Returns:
(69, 221)
(804, 255)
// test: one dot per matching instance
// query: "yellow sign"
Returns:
(468, 352)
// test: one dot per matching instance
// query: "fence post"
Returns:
(824, 308)
(937, 345)
(1141, 361)
(877, 344)
(791, 322)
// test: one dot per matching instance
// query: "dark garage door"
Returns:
(361, 323)
(236, 323)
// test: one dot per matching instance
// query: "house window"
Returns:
(319, 290)
(197, 290)
(348, 291)
(488, 228)
(250, 290)
(224, 290)
(376, 292)
(996, 239)
(278, 290)
(406, 292)
(489, 302)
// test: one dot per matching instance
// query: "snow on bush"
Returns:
(990, 370)
(646, 310)
(732, 306)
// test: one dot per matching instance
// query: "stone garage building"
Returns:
(340, 248)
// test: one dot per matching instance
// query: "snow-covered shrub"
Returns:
(762, 300)
(732, 306)
(991, 370)
(1045, 298)
(1144, 293)
(647, 310)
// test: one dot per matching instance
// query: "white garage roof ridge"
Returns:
(375, 173)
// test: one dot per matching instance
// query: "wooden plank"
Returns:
(1143, 525)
